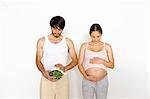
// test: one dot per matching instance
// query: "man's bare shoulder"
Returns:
(68, 39)
(42, 39)
(40, 42)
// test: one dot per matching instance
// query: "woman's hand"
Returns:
(91, 78)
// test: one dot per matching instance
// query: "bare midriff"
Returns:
(96, 72)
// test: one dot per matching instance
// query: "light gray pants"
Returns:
(98, 88)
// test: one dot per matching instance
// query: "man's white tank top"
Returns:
(90, 54)
(54, 53)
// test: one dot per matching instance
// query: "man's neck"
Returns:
(54, 39)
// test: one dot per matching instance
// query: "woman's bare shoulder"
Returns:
(108, 46)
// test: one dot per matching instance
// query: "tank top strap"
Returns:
(64, 38)
(104, 46)
(87, 43)
(46, 38)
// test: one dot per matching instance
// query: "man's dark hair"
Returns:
(95, 27)
(57, 21)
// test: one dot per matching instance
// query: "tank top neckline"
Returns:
(95, 51)
(54, 43)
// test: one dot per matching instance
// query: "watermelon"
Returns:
(56, 73)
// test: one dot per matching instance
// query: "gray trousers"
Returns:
(99, 89)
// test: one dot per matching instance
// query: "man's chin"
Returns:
(56, 36)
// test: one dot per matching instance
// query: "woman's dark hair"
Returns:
(95, 27)
(57, 21)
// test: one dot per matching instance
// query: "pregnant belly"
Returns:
(96, 72)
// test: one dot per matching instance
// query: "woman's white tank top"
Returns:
(54, 53)
(90, 54)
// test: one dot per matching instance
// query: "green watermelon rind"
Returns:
(56, 73)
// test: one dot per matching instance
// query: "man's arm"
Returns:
(73, 55)
(39, 54)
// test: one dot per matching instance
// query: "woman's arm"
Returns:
(109, 63)
(80, 60)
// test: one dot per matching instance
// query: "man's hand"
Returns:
(47, 76)
(60, 66)
(52, 78)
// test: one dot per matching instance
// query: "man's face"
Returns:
(56, 31)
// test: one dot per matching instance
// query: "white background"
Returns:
(125, 24)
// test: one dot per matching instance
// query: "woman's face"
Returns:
(96, 36)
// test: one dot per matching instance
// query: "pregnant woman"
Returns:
(95, 57)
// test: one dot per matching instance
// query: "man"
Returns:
(53, 51)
